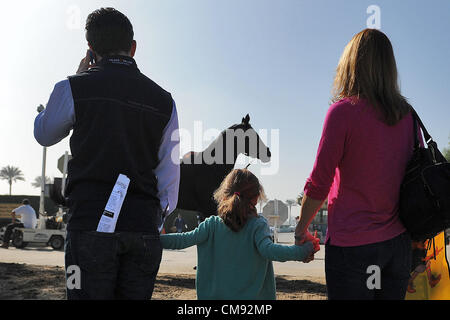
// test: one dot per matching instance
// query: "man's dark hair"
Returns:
(25, 201)
(109, 31)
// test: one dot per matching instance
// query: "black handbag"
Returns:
(425, 190)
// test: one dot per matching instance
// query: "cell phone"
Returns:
(92, 57)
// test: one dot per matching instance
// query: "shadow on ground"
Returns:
(30, 282)
(289, 285)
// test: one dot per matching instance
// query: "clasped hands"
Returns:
(301, 239)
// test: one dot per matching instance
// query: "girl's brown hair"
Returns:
(234, 198)
(367, 69)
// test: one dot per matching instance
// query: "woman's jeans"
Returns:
(378, 271)
(111, 266)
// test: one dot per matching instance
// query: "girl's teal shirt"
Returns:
(235, 265)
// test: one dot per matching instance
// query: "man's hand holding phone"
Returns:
(87, 62)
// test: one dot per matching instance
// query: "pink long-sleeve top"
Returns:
(360, 165)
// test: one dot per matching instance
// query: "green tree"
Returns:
(11, 174)
(37, 181)
(446, 152)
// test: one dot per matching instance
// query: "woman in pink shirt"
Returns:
(366, 143)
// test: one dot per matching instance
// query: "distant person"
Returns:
(123, 123)
(366, 143)
(180, 224)
(28, 220)
(235, 251)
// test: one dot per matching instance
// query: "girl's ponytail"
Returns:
(234, 198)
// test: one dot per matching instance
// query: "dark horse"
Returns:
(203, 172)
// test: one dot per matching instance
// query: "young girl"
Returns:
(235, 251)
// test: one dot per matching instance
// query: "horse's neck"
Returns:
(221, 144)
(224, 169)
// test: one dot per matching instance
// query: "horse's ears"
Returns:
(246, 120)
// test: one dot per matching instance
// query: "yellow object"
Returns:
(430, 279)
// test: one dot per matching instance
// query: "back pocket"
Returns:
(152, 254)
(97, 251)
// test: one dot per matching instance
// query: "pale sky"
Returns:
(221, 60)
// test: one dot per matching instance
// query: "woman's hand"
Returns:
(307, 236)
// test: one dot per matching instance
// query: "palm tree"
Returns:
(37, 181)
(300, 198)
(11, 174)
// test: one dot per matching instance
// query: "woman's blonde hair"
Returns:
(234, 197)
(367, 69)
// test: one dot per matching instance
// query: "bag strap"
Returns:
(435, 154)
(416, 119)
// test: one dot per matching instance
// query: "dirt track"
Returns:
(21, 281)
(36, 272)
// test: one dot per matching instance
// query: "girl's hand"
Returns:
(309, 259)
(310, 256)
(307, 236)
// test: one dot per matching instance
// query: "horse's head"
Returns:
(248, 142)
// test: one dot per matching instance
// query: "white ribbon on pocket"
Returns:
(110, 216)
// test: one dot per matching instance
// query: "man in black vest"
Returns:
(123, 123)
